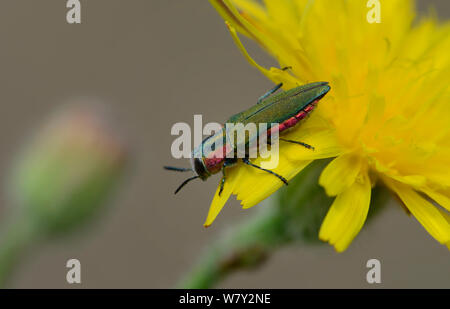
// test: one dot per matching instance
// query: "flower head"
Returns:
(386, 119)
(68, 168)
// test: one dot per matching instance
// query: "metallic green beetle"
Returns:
(286, 109)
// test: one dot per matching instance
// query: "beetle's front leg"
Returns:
(222, 182)
(227, 162)
(269, 93)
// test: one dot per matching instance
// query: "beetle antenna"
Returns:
(185, 182)
(178, 169)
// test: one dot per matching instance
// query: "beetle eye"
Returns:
(199, 168)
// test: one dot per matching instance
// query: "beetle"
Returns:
(286, 109)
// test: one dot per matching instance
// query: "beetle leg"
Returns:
(298, 143)
(228, 162)
(272, 91)
(247, 161)
(269, 93)
(222, 182)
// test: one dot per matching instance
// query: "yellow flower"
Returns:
(386, 118)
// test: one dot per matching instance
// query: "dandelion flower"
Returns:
(386, 118)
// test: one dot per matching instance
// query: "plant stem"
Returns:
(246, 246)
(16, 240)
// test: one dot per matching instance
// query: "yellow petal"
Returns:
(438, 197)
(234, 20)
(347, 214)
(256, 185)
(274, 74)
(447, 217)
(340, 174)
(426, 213)
(229, 13)
(324, 142)
(218, 202)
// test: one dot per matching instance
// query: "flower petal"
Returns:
(256, 185)
(438, 197)
(324, 142)
(347, 214)
(340, 174)
(446, 215)
(274, 74)
(426, 213)
(232, 180)
(229, 13)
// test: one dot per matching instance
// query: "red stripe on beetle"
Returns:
(289, 123)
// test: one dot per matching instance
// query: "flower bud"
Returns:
(68, 169)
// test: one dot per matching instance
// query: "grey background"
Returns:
(156, 63)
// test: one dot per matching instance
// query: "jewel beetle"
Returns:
(286, 108)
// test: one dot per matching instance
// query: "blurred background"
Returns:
(153, 63)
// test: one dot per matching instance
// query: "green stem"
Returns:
(246, 246)
(20, 234)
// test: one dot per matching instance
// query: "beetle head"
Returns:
(198, 166)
